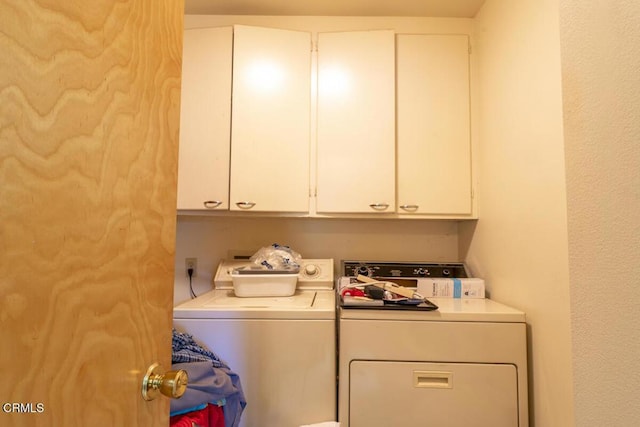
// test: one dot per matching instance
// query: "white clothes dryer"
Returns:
(464, 364)
(283, 348)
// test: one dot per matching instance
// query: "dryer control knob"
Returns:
(362, 270)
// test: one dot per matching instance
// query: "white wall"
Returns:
(519, 244)
(336, 23)
(601, 82)
(210, 238)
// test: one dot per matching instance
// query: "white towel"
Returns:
(325, 424)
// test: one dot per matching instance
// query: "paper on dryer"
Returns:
(451, 288)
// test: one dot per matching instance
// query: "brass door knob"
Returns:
(172, 384)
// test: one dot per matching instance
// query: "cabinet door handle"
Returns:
(379, 206)
(411, 208)
(212, 204)
(245, 205)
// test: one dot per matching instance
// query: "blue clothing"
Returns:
(210, 380)
(186, 349)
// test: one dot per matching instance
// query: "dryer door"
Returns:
(409, 394)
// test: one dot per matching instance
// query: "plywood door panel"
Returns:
(356, 122)
(270, 120)
(89, 111)
(205, 119)
(433, 124)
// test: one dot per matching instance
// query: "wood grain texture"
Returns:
(89, 113)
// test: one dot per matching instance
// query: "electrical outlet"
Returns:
(191, 263)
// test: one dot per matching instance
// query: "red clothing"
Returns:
(211, 416)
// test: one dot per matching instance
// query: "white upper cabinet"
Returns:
(270, 130)
(356, 122)
(392, 123)
(205, 114)
(433, 125)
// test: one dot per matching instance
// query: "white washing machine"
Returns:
(464, 364)
(283, 348)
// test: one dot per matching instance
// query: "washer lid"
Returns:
(223, 304)
(299, 300)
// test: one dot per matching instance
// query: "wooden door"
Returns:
(89, 112)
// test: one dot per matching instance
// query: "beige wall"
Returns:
(600, 44)
(210, 239)
(336, 23)
(519, 244)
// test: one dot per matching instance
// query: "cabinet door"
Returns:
(433, 128)
(205, 114)
(356, 122)
(270, 125)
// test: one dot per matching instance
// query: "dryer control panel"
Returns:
(314, 273)
(386, 269)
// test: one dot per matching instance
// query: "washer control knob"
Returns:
(311, 270)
